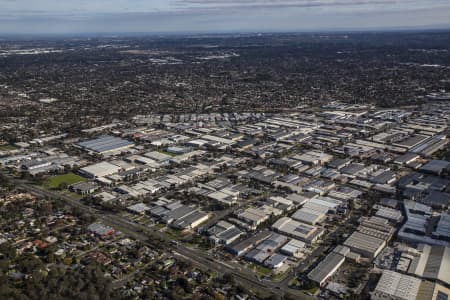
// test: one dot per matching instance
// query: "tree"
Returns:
(228, 278)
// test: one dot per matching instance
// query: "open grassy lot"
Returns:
(7, 147)
(55, 181)
(261, 270)
(167, 153)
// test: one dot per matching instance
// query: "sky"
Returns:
(184, 16)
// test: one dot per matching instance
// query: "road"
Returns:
(151, 237)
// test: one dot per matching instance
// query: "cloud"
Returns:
(221, 4)
(216, 15)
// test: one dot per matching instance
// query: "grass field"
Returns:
(7, 147)
(261, 270)
(55, 181)
(160, 226)
(174, 234)
(167, 153)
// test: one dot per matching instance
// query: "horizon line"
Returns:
(431, 28)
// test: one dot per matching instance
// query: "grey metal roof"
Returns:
(325, 267)
(105, 143)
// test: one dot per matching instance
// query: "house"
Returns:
(101, 230)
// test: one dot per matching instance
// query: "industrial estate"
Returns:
(317, 200)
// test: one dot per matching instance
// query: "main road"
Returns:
(152, 237)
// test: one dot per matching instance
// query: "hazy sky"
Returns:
(78, 16)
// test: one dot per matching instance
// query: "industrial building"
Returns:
(266, 248)
(433, 262)
(275, 261)
(293, 248)
(101, 169)
(418, 218)
(366, 245)
(396, 286)
(178, 215)
(309, 216)
(314, 158)
(256, 216)
(298, 230)
(442, 231)
(326, 268)
(393, 215)
(191, 220)
(105, 144)
(224, 233)
(40, 165)
(432, 291)
(84, 188)
(241, 247)
(138, 208)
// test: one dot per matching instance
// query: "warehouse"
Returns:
(378, 224)
(443, 227)
(228, 236)
(298, 230)
(223, 198)
(281, 203)
(266, 248)
(411, 141)
(240, 247)
(105, 144)
(308, 216)
(396, 286)
(433, 262)
(138, 208)
(224, 233)
(326, 268)
(314, 158)
(436, 199)
(41, 165)
(275, 261)
(293, 248)
(257, 255)
(436, 167)
(158, 157)
(330, 204)
(83, 188)
(101, 169)
(178, 215)
(190, 221)
(390, 214)
(254, 216)
(430, 146)
(406, 158)
(367, 246)
(142, 188)
(177, 212)
(432, 291)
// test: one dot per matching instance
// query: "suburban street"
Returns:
(197, 257)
